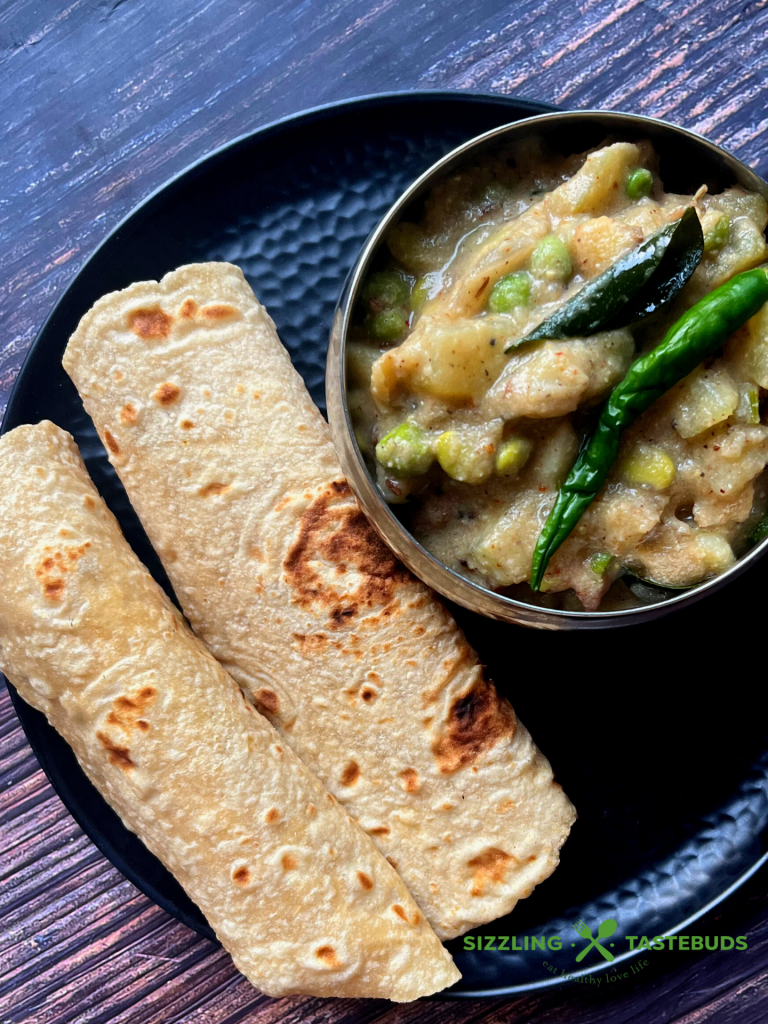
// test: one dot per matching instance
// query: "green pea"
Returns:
(388, 325)
(411, 247)
(717, 236)
(508, 293)
(461, 459)
(550, 259)
(600, 561)
(422, 290)
(513, 455)
(386, 289)
(639, 183)
(405, 450)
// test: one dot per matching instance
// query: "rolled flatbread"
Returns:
(231, 469)
(293, 888)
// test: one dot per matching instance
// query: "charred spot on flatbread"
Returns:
(477, 720)
(327, 954)
(53, 567)
(365, 881)
(111, 441)
(167, 393)
(489, 867)
(119, 756)
(128, 413)
(410, 780)
(333, 533)
(127, 712)
(150, 323)
(350, 773)
(267, 700)
(241, 875)
(213, 489)
(218, 311)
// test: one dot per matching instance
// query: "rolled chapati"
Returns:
(361, 669)
(294, 889)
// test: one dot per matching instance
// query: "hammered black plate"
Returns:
(652, 730)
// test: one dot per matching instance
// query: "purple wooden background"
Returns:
(100, 102)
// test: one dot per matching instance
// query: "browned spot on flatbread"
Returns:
(167, 393)
(400, 912)
(328, 955)
(350, 773)
(241, 875)
(186, 424)
(218, 311)
(128, 413)
(127, 712)
(118, 756)
(379, 830)
(368, 694)
(111, 441)
(332, 532)
(311, 643)
(393, 863)
(365, 880)
(311, 810)
(477, 720)
(89, 502)
(410, 780)
(188, 309)
(211, 490)
(53, 567)
(268, 700)
(272, 815)
(488, 867)
(288, 862)
(150, 323)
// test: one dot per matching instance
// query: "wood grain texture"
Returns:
(100, 102)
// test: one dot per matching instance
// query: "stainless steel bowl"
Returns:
(686, 161)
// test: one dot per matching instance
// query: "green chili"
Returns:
(696, 336)
(634, 287)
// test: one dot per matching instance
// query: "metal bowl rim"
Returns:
(421, 562)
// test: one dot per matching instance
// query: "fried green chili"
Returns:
(696, 336)
(634, 287)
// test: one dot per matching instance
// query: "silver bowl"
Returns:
(686, 161)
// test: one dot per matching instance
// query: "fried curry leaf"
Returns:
(635, 286)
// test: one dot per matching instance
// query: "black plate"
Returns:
(652, 730)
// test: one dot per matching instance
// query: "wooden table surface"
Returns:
(100, 102)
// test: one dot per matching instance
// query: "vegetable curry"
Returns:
(472, 418)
